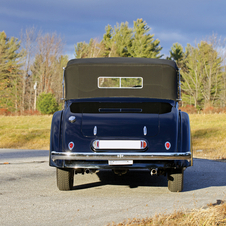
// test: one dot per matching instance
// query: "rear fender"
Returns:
(186, 144)
(55, 137)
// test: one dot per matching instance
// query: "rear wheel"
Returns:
(176, 180)
(65, 179)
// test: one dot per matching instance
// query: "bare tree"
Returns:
(202, 78)
(29, 43)
(48, 63)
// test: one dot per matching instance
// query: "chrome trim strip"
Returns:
(72, 119)
(116, 156)
(120, 86)
(63, 83)
(145, 130)
(179, 84)
(95, 131)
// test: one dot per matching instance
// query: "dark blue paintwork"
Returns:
(173, 126)
(56, 137)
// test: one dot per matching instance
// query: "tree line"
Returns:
(33, 65)
(29, 67)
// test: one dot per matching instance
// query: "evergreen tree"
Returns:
(122, 37)
(177, 54)
(143, 43)
(117, 41)
(107, 41)
(122, 41)
(47, 104)
(10, 72)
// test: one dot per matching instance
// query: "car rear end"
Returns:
(112, 129)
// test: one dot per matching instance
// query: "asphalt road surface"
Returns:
(29, 195)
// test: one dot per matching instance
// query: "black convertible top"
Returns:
(159, 77)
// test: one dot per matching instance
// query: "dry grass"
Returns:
(214, 215)
(209, 135)
(32, 132)
(25, 132)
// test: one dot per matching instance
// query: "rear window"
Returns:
(112, 107)
(120, 82)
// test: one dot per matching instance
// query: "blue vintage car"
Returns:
(121, 114)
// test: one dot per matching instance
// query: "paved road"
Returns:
(29, 196)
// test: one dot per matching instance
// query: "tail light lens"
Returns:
(143, 144)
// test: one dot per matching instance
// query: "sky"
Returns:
(171, 21)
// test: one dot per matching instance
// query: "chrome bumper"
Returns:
(118, 156)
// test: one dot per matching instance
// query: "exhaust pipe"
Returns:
(82, 171)
(79, 170)
(154, 171)
(91, 171)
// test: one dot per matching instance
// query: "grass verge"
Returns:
(25, 132)
(213, 215)
(208, 135)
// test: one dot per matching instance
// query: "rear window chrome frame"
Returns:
(120, 87)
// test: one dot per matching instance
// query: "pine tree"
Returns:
(122, 37)
(143, 43)
(122, 41)
(107, 41)
(177, 54)
(117, 41)
(10, 72)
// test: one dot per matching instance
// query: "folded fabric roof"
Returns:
(159, 77)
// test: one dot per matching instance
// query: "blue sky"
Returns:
(182, 21)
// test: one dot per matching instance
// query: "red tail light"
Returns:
(143, 144)
(167, 145)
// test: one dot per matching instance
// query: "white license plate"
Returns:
(120, 162)
(119, 144)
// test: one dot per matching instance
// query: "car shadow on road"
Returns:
(205, 173)
(133, 179)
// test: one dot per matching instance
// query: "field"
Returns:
(209, 135)
(25, 132)
(32, 132)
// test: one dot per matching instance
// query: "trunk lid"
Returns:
(119, 124)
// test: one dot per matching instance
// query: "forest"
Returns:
(31, 67)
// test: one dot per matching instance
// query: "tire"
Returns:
(65, 179)
(176, 180)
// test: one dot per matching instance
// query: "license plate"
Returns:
(120, 162)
